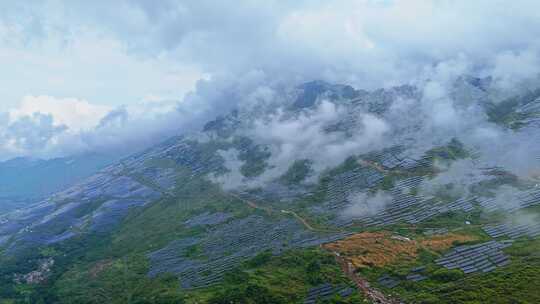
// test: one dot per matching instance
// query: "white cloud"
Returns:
(167, 46)
(234, 178)
(512, 68)
(76, 114)
(361, 204)
(45, 126)
(28, 134)
(453, 179)
(90, 66)
(306, 137)
(157, 52)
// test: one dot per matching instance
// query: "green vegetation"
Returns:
(516, 283)
(297, 172)
(254, 156)
(123, 280)
(504, 112)
(262, 279)
(447, 275)
(452, 151)
(279, 279)
(113, 267)
(388, 182)
(500, 177)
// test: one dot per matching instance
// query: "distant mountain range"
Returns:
(27, 180)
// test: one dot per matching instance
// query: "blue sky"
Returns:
(67, 65)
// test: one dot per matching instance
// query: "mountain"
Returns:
(24, 181)
(330, 194)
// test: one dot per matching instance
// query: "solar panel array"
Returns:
(388, 158)
(513, 230)
(277, 192)
(343, 185)
(388, 281)
(326, 291)
(412, 209)
(484, 257)
(101, 201)
(520, 200)
(417, 274)
(208, 219)
(416, 208)
(416, 277)
(436, 231)
(227, 245)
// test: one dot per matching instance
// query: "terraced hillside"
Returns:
(223, 216)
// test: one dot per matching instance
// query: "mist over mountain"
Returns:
(277, 152)
(308, 167)
(183, 70)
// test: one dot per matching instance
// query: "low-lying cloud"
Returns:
(244, 54)
(362, 204)
(47, 127)
(453, 179)
(28, 133)
(306, 136)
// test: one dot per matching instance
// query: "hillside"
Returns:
(326, 193)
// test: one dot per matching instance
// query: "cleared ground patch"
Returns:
(368, 249)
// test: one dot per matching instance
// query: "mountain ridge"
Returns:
(140, 212)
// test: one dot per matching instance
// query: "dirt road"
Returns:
(270, 211)
(362, 284)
